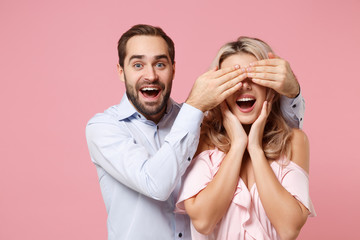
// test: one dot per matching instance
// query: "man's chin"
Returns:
(147, 106)
(151, 108)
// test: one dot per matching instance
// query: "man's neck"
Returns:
(156, 117)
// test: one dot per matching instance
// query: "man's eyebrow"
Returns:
(136, 56)
(162, 56)
(157, 57)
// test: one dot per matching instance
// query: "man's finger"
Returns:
(237, 75)
(266, 83)
(232, 82)
(265, 76)
(272, 55)
(260, 69)
(225, 94)
(224, 71)
(267, 62)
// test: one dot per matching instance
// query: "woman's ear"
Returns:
(270, 95)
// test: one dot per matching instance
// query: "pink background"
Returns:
(58, 68)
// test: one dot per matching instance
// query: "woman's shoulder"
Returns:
(204, 145)
(300, 152)
(208, 153)
(299, 138)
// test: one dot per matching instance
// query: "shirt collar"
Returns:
(125, 109)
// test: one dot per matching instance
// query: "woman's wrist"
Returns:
(255, 152)
(239, 145)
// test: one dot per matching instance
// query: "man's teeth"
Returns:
(149, 89)
(245, 99)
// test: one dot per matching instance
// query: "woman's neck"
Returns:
(247, 128)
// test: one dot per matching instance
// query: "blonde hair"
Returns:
(277, 134)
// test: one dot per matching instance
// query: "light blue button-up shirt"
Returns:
(140, 164)
(293, 110)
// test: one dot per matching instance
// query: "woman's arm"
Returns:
(284, 211)
(208, 207)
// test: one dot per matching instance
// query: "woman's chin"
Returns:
(247, 120)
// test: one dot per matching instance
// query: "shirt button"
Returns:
(139, 116)
(300, 119)
(180, 235)
(294, 106)
(189, 158)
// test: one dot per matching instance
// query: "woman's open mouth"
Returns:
(246, 104)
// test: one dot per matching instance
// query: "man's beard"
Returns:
(147, 109)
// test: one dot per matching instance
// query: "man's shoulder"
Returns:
(107, 123)
(118, 113)
(109, 115)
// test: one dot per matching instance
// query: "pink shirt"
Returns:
(246, 217)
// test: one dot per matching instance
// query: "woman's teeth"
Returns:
(245, 99)
(245, 103)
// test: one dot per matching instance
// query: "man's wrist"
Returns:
(295, 94)
(195, 105)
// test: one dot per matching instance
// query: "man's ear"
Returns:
(120, 71)
(173, 69)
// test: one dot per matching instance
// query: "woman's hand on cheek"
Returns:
(233, 126)
(257, 129)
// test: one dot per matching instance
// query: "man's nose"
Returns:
(150, 74)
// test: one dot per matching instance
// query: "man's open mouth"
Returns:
(150, 92)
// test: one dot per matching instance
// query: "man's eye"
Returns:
(137, 65)
(160, 65)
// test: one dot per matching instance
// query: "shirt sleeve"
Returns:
(293, 110)
(197, 177)
(296, 182)
(155, 175)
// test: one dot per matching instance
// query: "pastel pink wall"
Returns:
(58, 59)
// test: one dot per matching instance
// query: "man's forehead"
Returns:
(146, 46)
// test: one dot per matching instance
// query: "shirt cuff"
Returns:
(291, 101)
(189, 118)
(293, 108)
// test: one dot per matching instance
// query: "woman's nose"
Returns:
(246, 84)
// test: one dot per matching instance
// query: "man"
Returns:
(142, 146)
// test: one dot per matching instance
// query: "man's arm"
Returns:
(113, 148)
(293, 110)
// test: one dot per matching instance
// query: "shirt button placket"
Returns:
(157, 136)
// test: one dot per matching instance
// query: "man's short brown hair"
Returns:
(146, 30)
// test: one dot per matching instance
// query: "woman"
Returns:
(250, 178)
